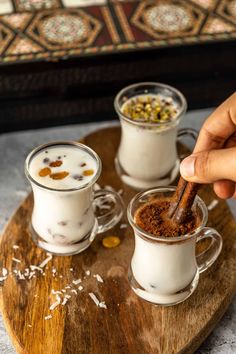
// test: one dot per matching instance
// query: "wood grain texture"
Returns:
(129, 325)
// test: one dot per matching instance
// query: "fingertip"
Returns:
(224, 189)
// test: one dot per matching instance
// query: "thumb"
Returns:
(210, 166)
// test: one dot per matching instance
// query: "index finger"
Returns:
(218, 127)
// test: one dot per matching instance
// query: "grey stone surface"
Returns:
(14, 147)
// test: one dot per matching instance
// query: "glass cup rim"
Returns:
(165, 239)
(155, 84)
(70, 143)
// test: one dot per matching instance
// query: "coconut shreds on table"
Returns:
(48, 317)
(103, 305)
(34, 267)
(213, 204)
(16, 260)
(99, 278)
(15, 247)
(94, 298)
(123, 226)
(80, 288)
(54, 305)
(48, 259)
(88, 272)
(3, 278)
(77, 281)
(97, 302)
(4, 272)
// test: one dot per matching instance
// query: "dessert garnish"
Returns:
(45, 172)
(88, 172)
(150, 108)
(59, 175)
(56, 163)
(182, 200)
(111, 241)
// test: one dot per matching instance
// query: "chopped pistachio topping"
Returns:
(150, 108)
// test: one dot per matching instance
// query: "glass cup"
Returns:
(147, 154)
(165, 270)
(64, 221)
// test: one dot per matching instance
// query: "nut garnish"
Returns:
(111, 241)
(59, 175)
(45, 172)
(153, 109)
(88, 172)
(56, 163)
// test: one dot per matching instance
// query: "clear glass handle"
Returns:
(192, 133)
(108, 207)
(209, 255)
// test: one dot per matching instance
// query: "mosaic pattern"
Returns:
(54, 29)
(168, 18)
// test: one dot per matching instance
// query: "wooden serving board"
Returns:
(129, 325)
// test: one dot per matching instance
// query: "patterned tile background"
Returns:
(52, 29)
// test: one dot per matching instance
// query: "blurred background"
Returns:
(63, 61)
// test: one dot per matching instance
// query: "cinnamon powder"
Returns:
(152, 217)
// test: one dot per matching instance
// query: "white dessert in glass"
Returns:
(62, 176)
(147, 154)
(165, 270)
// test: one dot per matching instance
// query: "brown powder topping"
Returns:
(152, 217)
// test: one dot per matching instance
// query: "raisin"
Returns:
(88, 172)
(59, 175)
(56, 163)
(44, 172)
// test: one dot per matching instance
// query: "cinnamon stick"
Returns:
(182, 200)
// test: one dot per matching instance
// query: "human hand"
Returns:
(214, 157)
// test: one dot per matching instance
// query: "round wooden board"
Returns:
(129, 325)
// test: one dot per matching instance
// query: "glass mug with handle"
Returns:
(62, 176)
(147, 154)
(165, 270)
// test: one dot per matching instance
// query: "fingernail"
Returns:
(187, 166)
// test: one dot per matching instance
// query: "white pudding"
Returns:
(147, 153)
(63, 212)
(164, 269)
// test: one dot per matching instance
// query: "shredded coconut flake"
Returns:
(4, 272)
(94, 298)
(16, 260)
(31, 274)
(213, 204)
(3, 278)
(48, 259)
(80, 288)
(56, 292)
(71, 269)
(74, 291)
(48, 317)
(34, 267)
(64, 301)
(87, 272)
(15, 247)
(29, 325)
(103, 305)
(123, 226)
(77, 281)
(54, 305)
(99, 278)
(58, 298)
